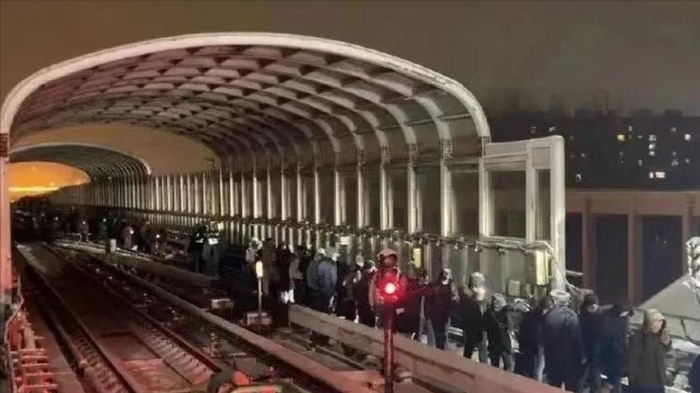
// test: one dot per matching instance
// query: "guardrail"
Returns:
(463, 374)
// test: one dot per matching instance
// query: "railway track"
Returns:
(207, 334)
(116, 347)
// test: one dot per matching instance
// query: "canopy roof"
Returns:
(259, 99)
(96, 161)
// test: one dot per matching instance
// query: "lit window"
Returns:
(621, 154)
(583, 155)
(652, 137)
(620, 137)
(578, 178)
(674, 129)
(674, 154)
(630, 128)
(674, 162)
(688, 137)
(651, 175)
(552, 129)
(639, 136)
(660, 174)
(652, 146)
(640, 162)
(687, 160)
(652, 153)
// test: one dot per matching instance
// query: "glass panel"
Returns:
(350, 200)
(465, 198)
(399, 192)
(292, 192)
(327, 196)
(544, 206)
(276, 196)
(695, 227)
(611, 254)
(574, 246)
(372, 193)
(308, 197)
(262, 196)
(428, 181)
(509, 203)
(662, 252)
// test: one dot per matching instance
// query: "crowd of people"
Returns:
(588, 349)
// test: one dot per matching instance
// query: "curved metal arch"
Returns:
(341, 50)
(95, 160)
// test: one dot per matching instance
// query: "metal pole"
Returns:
(259, 304)
(389, 348)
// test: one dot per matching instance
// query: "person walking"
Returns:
(349, 284)
(441, 299)
(409, 319)
(646, 360)
(591, 320)
(563, 344)
(471, 312)
(499, 326)
(361, 290)
(312, 289)
(613, 346)
(296, 279)
(326, 281)
(530, 360)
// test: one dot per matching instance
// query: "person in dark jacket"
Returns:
(613, 345)
(591, 320)
(408, 320)
(563, 344)
(441, 299)
(102, 234)
(312, 290)
(326, 281)
(471, 312)
(530, 360)
(498, 324)
(360, 294)
(646, 360)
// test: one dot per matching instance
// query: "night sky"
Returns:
(624, 55)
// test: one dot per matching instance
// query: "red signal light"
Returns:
(390, 288)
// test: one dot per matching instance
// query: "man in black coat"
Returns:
(591, 321)
(563, 344)
(613, 346)
(531, 358)
(471, 313)
(499, 326)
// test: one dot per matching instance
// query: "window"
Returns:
(621, 137)
(508, 203)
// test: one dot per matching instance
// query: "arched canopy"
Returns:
(96, 161)
(266, 99)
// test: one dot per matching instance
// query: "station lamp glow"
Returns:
(259, 269)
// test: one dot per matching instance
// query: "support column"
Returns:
(257, 209)
(360, 199)
(284, 195)
(531, 211)
(411, 188)
(196, 194)
(337, 198)
(686, 229)
(317, 195)
(268, 190)
(231, 192)
(633, 267)
(445, 189)
(190, 192)
(205, 194)
(222, 201)
(589, 259)
(300, 194)
(384, 196)
(244, 198)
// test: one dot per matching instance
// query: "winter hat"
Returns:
(589, 300)
(652, 315)
(560, 297)
(476, 280)
(359, 260)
